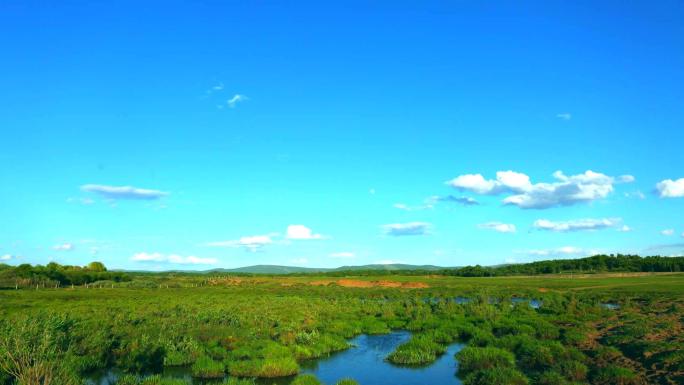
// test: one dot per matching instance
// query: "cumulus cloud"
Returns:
(250, 243)
(5, 257)
(343, 254)
(625, 229)
(498, 226)
(64, 247)
(565, 191)
(667, 232)
(564, 116)
(301, 232)
(402, 229)
(123, 192)
(671, 188)
(172, 259)
(576, 225)
(237, 98)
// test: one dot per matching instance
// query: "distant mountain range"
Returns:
(278, 269)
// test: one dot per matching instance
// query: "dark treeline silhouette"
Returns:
(54, 274)
(595, 264)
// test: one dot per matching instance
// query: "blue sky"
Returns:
(184, 135)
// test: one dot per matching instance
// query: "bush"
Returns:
(205, 367)
(472, 359)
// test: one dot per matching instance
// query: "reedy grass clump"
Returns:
(156, 379)
(237, 381)
(418, 350)
(473, 359)
(206, 367)
(347, 381)
(306, 379)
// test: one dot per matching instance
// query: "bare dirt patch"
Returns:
(390, 284)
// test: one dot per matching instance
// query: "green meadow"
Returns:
(620, 328)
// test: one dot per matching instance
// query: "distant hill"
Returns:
(389, 267)
(270, 269)
(278, 269)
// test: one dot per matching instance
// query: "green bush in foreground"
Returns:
(306, 379)
(272, 367)
(205, 367)
(418, 350)
(472, 359)
(496, 376)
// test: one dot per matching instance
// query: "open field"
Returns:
(266, 326)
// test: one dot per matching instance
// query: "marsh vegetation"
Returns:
(237, 329)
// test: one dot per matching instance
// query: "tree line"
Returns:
(54, 274)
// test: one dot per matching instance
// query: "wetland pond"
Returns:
(364, 362)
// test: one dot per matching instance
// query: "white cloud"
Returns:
(343, 254)
(475, 183)
(671, 188)
(566, 191)
(237, 98)
(576, 225)
(561, 251)
(64, 247)
(402, 229)
(564, 116)
(498, 226)
(465, 201)
(635, 194)
(667, 232)
(301, 232)
(123, 192)
(251, 243)
(625, 179)
(5, 257)
(625, 229)
(172, 258)
(387, 262)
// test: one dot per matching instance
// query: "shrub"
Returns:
(472, 359)
(206, 367)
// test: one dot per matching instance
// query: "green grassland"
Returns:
(265, 326)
